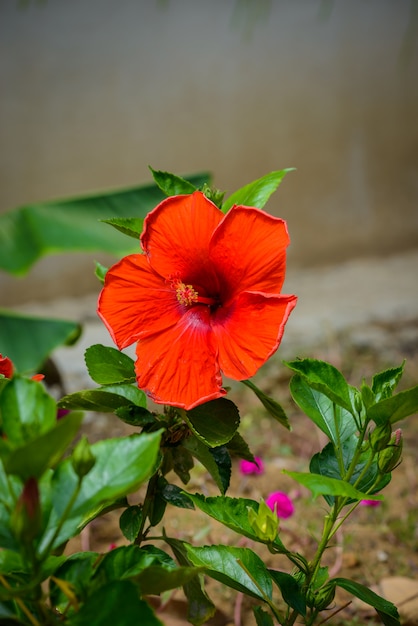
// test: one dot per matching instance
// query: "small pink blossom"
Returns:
(248, 467)
(281, 504)
(372, 503)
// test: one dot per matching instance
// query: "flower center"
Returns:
(187, 295)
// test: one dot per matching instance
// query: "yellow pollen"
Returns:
(186, 294)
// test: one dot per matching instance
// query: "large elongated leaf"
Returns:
(395, 408)
(256, 193)
(325, 378)
(28, 340)
(239, 568)
(387, 611)
(337, 423)
(121, 466)
(74, 225)
(323, 485)
(107, 365)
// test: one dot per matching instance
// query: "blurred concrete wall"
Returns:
(94, 91)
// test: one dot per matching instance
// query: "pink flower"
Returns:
(372, 503)
(280, 503)
(248, 467)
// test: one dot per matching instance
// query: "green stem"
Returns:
(149, 497)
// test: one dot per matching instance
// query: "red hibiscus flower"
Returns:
(6, 366)
(204, 298)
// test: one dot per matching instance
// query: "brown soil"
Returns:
(374, 544)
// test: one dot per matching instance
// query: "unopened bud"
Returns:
(380, 437)
(324, 596)
(264, 523)
(6, 366)
(82, 458)
(26, 518)
(390, 457)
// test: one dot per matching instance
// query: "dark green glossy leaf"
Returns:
(122, 563)
(108, 366)
(258, 192)
(175, 495)
(395, 408)
(131, 226)
(237, 446)
(290, 589)
(122, 465)
(135, 415)
(203, 454)
(171, 184)
(27, 411)
(28, 341)
(323, 485)
(156, 579)
(233, 513)
(118, 603)
(384, 383)
(75, 225)
(336, 422)
(273, 407)
(130, 522)
(44, 451)
(182, 459)
(239, 568)
(325, 378)
(387, 611)
(214, 422)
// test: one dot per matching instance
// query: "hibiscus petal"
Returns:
(135, 302)
(176, 238)
(179, 366)
(249, 331)
(248, 250)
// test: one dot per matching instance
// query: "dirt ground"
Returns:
(376, 544)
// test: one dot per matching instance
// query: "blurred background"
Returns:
(94, 92)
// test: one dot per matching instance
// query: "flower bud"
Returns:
(26, 518)
(380, 437)
(322, 598)
(390, 457)
(82, 458)
(6, 366)
(264, 523)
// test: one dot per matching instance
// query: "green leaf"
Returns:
(131, 226)
(74, 225)
(239, 568)
(135, 415)
(395, 408)
(130, 522)
(336, 422)
(384, 383)
(27, 411)
(11, 562)
(326, 463)
(77, 570)
(273, 407)
(122, 465)
(203, 454)
(157, 579)
(387, 611)
(325, 378)
(36, 456)
(107, 366)
(257, 193)
(262, 618)
(200, 608)
(233, 513)
(106, 399)
(237, 446)
(28, 340)
(171, 184)
(175, 495)
(122, 563)
(323, 485)
(290, 590)
(118, 603)
(214, 422)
